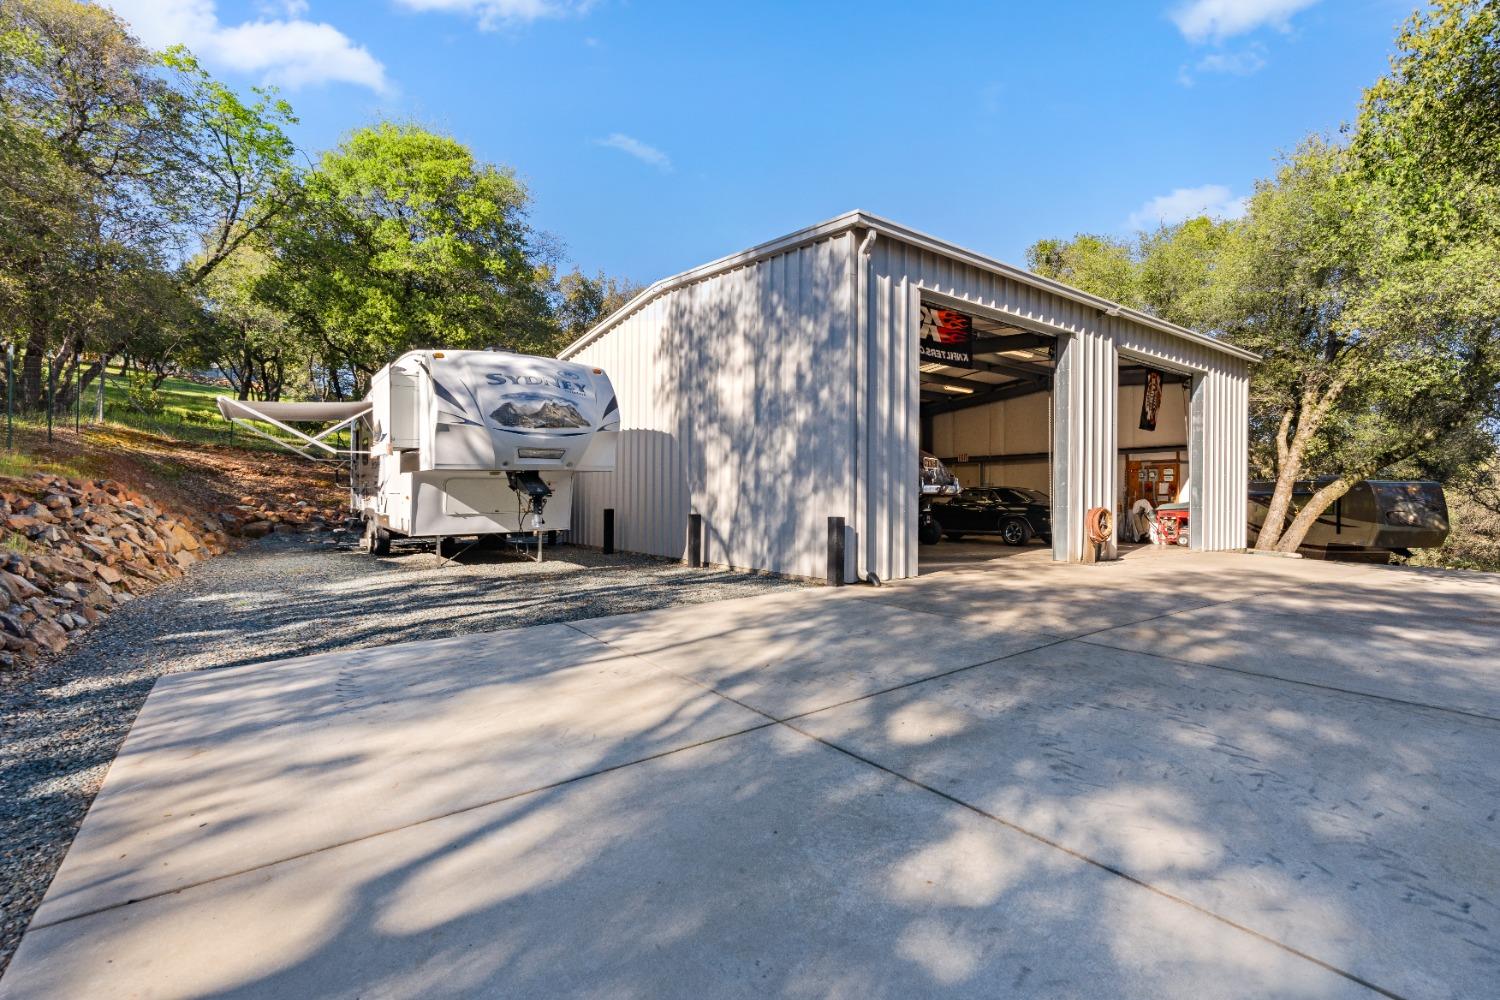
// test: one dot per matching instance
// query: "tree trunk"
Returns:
(1311, 411)
(67, 388)
(1287, 468)
(31, 391)
(1291, 539)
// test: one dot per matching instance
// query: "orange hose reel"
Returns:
(1099, 524)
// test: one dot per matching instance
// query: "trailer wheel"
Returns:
(377, 539)
(448, 547)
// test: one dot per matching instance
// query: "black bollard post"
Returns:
(609, 531)
(695, 541)
(835, 551)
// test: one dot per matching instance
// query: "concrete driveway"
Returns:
(1178, 775)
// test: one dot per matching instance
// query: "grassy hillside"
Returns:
(179, 409)
(183, 475)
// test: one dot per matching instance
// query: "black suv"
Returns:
(1015, 514)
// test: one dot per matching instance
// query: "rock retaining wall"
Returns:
(76, 550)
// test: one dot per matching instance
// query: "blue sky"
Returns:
(657, 136)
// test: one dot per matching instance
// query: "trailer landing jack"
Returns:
(532, 493)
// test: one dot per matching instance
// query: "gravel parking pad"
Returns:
(290, 595)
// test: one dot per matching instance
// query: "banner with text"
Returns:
(947, 337)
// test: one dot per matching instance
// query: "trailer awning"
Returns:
(283, 415)
(291, 412)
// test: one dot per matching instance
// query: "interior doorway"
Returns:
(1156, 480)
(1155, 406)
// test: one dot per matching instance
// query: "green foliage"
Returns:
(1363, 274)
(239, 158)
(402, 239)
(1103, 265)
(1430, 129)
(149, 212)
(249, 340)
(114, 163)
(1166, 272)
(142, 396)
(583, 301)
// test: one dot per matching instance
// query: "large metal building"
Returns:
(800, 380)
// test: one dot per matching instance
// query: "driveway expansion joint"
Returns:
(374, 834)
(1288, 680)
(787, 722)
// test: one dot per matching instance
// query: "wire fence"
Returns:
(95, 405)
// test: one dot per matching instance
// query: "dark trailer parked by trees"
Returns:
(1373, 519)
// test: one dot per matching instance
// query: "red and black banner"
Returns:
(947, 337)
(1150, 400)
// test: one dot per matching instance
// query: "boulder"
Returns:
(17, 587)
(50, 635)
(184, 538)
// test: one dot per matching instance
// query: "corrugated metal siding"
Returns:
(1085, 435)
(1086, 395)
(1218, 442)
(784, 389)
(903, 273)
(733, 405)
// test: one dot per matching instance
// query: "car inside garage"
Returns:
(986, 411)
(987, 420)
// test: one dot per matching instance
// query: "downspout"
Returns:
(862, 281)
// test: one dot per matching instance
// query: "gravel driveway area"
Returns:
(289, 595)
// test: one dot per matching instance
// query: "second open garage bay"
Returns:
(1258, 778)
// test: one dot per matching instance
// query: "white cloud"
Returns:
(492, 14)
(631, 146)
(1216, 20)
(1234, 63)
(282, 8)
(1213, 200)
(1245, 63)
(286, 49)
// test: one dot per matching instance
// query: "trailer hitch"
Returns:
(532, 494)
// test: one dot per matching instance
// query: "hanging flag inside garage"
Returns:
(1150, 400)
(947, 336)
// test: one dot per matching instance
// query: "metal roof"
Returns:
(865, 221)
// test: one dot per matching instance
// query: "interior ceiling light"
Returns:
(954, 388)
(929, 367)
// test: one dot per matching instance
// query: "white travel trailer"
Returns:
(455, 444)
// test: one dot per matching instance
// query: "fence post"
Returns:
(10, 394)
(78, 392)
(99, 399)
(51, 393)
(609, 529)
